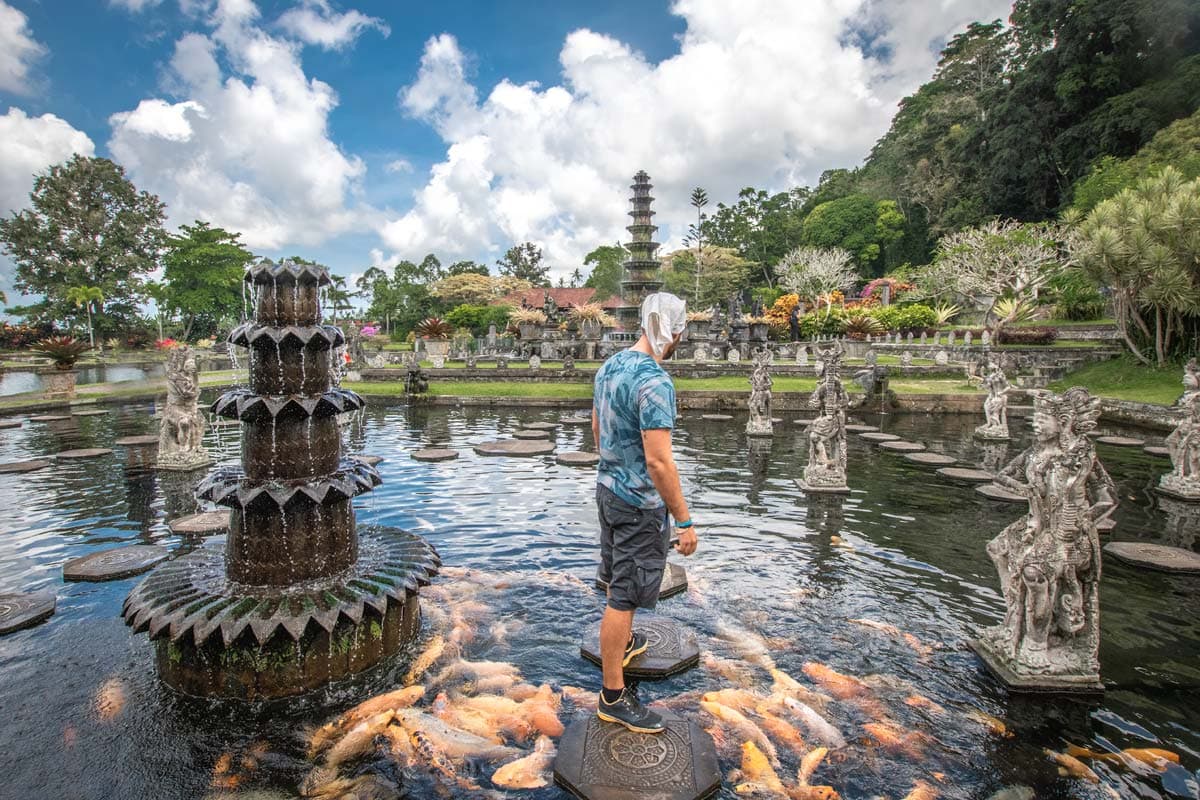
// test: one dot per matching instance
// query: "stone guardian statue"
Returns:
(181, 433)
(826, 468)
(760, 394)
(1183, 445)
(995, 406)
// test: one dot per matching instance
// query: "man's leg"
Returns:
(615, 630)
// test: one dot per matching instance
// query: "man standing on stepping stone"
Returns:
(637, 484)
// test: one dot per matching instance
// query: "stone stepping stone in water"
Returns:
(578, 458)
(964, 474)
(997, 492)
(930, 459)
(205, 522)
(434, 454)
(901, 446)
(600, 760)
(1121, 441)
(803, 422)
(24, 466)
(370, 461)
(50, 418)
(531, 435)
(717, 417)
(1156, 450)
(580, 421)
(1106, 525)
(91, 413)
(119, 562)
(24, 610)
(674, 582)
(541, 426)
(879, 437)
(861, 428)
(6, 426)
(804, 487)
(672, 649)
(515, 447)
(1158, 557)
(149, 440)
(84, 452)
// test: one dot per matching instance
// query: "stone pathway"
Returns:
(879, 437)
(434, 454)
(531, 434)
(7, 426)
(50, 418)
(84, 452)
(1156, 450)
(1159, 557)
(674, 582)
(150, 439)
(1121, 441)
(672, 649)
(902, 446)
(24, 466)
(111, 565)
(542, 426)
(998, 492)
(577, 421)
(930, 459)
(578, 458)
(24, 610)
(206, 522)
(964, 474)
(515, 447)
(862, 428)
(716, 417)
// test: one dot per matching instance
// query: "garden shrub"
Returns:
(1036, 336)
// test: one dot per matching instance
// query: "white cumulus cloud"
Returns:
(17, 50)
(760, 93)
(134, 6)
(398, 166)
(315, 22)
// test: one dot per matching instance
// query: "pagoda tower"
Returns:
(641, 275)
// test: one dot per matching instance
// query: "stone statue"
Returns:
(1049, 562)
(472, 361)
(906, 358)
(995, 406)
(924, 338)
(734, 308)
(967, 338)
(1191, 381)
(760, 394)
(535, 361)
(354, 348)
(802, 356)
(908, 338)
(1183, 445)
(701, 354)
(986, 338)
(826, 468)
(550, 309)
(950, 339)
(941, 358)
(871, 358)
(491, 336)
(568, 361)
(181, 434)
(734, 356)
(756, 308)
(501, 362)
(416, 382)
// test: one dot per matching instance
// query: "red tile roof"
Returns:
(564, 298)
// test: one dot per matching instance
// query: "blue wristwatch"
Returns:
(683, 525)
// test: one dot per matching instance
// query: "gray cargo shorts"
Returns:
(633, 551)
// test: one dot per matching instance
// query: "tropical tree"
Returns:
(857, 223)
(816, 273)
(83, 297)
(695, 233)
(605, 276)
(723, 272)
(1144, 244)
(473, 289)
(203, 270)
(339, 295)
(524, 261)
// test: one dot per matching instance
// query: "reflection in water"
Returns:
(909, 554)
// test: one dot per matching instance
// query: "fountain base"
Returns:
(218, 638)
(1021, 681)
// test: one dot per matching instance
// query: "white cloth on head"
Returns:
(664, 316)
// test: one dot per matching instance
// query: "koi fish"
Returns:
(529, 772)
(357, 742)
(429, 656)
(739, 699)
(110, 699)
(786, 684)
(1151, 756)
(840, 686)
(922, 791)
(452, 742)
(996, 726)
(1069, 765)
(756, 767)
(894, 738)
(814, 723)
(745, 729)
(921, 701)
(735, 672)
(783, 733)
(809, 764)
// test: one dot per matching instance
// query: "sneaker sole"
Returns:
(629, 726)
(632, 654)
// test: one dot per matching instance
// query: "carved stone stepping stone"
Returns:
(1155, 556)
(969, 475)
(880, 437)
(1106, 525)
(23, 466)
(5, 426)
(674, 582)
(149, 440)
(370, 461)
(930, 459)
(95, 412)
(542, 426)
(578, 458)
(531, 435)
(717, 417)
(580, 421)
(434, 454)
(803, 422)
(672, 649)
(24, 610)
(901, 446)
(84, 452)
(1121, 441)
(119, 562)
(600, 760)
(205, 522)
(862, 428)
(515, 447)
(50, 418)
(998, 492)
(1156, 450)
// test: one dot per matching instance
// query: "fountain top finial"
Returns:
(285, 271)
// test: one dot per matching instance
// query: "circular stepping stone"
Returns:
(23, 466)
(578, 458)
(50, 418)
(515, 447)
(880, 437)
(964, 474)
(531, 435)
(4, 426)
(599, 760)
(1106, 525)
(1121, 441)
(25, 610)
(804, 487)
(930, 459)
(776, 420)
(119, 562)
(862, 428)
(150, 439)
(674, 581)
(717, 417)
(206, 522)
(91, 413)
(998, 492)
(1155, 450)
(85, 452)
(580, 421)
(901, 446)
(434, 454)
(803, 422)
(671, 649)
(370, 461)
(1155, 556)
(541, 426)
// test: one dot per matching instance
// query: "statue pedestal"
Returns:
(1019, 681)
(808, 488)
(1179, 489)
(992, 433)
(183, 462)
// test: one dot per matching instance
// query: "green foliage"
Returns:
(88, 226)
(722, 273)
(434, 328)
(467, 268)
(825, 322)
(856, 223)
(524, 261)
(761, 228)
(911, 317)
(404, 298)
(64, 351)
(478, 318)
(1074, 297)
(203, 268)
(605, 276)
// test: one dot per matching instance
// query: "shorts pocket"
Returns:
(649, 582)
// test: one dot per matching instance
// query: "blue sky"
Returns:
(364, 132)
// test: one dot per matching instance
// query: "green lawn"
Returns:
(1125, 379)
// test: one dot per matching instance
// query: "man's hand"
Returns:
(687, 541)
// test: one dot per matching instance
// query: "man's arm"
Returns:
(596, 429)
(660, 463)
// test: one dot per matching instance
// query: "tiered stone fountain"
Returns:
(296, 598)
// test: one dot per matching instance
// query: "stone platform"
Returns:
(672, 649)
(578, 458)
(1041, 684)
(84, 452)
(1121, 441)
(930, 459)
(804, 487)
(200, 524)
(114, 564)
(902, 446)
(24, 466)
(18, 611)
(434, 454)
(577, 421)
(1161, 557)
(603, 761)
(964, 474)
(149, 440)
(674, 582)
(531, 434)
(871, 436)
(995, 491)
(542, 426)
(515, 447)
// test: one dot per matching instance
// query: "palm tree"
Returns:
(83, 297)
(699, 201)
(339, 295)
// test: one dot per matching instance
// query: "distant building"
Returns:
(563, 298)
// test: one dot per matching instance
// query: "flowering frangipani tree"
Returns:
(817, 273)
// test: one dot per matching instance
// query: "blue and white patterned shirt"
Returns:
(631, 394)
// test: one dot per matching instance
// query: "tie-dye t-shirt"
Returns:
(631, 394)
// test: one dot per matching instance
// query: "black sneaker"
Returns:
(637, 645)
(629, 711)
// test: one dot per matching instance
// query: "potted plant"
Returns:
(608, 323)
(698, 323)
(590, 319)
(436, 333)
(64, 351)
(528, 321)
(758, 328)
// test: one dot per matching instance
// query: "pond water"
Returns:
(83, 716)
(23, 381)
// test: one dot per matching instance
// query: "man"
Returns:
(637, 484)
